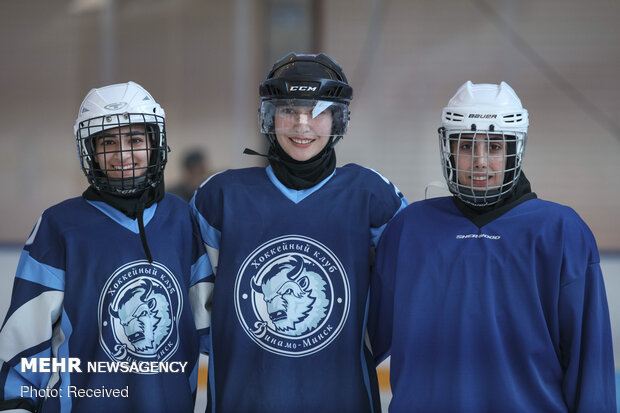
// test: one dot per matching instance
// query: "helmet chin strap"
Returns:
(127, 186)
(334, 140)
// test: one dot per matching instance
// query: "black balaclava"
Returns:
(129, 205)
(482, 215)
(302, 174)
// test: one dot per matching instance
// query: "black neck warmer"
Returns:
(133, 206)
(128, 205)
(482, 215)
(301, 174)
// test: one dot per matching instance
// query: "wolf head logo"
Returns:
(144, 315)
(295, 297)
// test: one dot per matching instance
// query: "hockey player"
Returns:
(491, 300)
(291, 248)
(100, 316)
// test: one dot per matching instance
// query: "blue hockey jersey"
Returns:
(84, 293)
(509, 317)
(290, 297)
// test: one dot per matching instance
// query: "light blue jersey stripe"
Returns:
(15, 379)
(211, 373)
(292, 194)
(193, 377)
(200, 269)
(210, 235)
(618, 391)
(363, 358)
(375, 233)
(32, 270)
(121, 218)
(63, 352)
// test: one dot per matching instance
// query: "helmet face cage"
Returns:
(481, 167)
(123, 153)
(294, 114)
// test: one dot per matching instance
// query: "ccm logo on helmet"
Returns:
(482, 116)
(301, 88)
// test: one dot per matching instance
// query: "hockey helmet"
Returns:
(112, 111)
(492, 116)
(314, 81)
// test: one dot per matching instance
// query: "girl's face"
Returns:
(304, 135)
(123, 152)
(480, 160)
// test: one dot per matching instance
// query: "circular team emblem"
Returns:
(292, 296)
(139, 310)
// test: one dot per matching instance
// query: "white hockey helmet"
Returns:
(112, 108)
(483, 113)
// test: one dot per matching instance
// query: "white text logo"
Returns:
(460, 236)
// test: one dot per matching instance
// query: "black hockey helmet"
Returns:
(314, 80)
(306, 76)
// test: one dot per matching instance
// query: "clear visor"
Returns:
(303, 117)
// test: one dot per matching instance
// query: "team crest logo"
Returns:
(292, 296)
(139, 310)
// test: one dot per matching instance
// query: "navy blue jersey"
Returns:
(510, 317)
(290, 297)
(84, 290)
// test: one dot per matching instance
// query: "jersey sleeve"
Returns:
(387, 201)
(201, 287)
(31, 325)
(586, 349)
(201, 294)
(382, 287)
